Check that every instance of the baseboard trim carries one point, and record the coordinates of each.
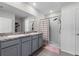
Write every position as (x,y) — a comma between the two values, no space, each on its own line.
(68,52)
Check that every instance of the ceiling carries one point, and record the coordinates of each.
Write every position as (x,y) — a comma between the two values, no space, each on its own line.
(18,13)
(42,7)
(45,7)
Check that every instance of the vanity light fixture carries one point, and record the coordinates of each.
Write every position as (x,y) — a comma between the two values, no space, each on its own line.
(34,4)
(51,11)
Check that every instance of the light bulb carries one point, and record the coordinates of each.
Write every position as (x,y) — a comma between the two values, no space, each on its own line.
(34,4)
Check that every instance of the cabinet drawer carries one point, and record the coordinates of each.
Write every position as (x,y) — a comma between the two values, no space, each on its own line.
(26,38)
(9,43)
(34,36)
(40,35)
(10,51)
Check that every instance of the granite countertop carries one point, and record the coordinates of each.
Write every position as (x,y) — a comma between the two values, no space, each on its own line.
(4,38)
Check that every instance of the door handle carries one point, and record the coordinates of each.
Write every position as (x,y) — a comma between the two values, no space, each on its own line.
(78,34)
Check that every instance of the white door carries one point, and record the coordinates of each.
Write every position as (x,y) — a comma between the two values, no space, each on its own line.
(77,32)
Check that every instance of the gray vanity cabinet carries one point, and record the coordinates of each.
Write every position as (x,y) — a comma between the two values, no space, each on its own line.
(40,40)
(34,43)
(10,51)
(10,48)
(21,46)
(26,46)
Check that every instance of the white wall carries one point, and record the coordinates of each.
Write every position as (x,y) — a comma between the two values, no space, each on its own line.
(6,22)
(58,13)
(29,21)
(68,28)
(28,24)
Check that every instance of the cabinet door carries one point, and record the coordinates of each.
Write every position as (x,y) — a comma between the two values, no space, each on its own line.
(34,44)
(40,42)
(24,39)
(26,48)
(10,51)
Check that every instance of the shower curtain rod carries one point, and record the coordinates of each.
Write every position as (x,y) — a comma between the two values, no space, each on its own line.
(49,17)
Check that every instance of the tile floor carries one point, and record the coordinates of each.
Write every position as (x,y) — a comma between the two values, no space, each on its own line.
(47,51)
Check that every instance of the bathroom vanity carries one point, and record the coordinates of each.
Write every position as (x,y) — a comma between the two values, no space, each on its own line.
(21,44)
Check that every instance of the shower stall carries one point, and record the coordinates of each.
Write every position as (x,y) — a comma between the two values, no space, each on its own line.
(54,31)
(50,27)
